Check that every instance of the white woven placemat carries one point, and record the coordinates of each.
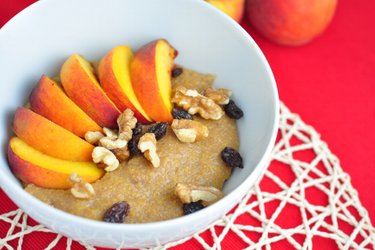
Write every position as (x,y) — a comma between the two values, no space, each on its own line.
(321,171)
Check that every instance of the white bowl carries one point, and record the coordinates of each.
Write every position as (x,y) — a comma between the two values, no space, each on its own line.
(42,36)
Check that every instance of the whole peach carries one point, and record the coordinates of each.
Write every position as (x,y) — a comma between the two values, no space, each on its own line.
(290,22)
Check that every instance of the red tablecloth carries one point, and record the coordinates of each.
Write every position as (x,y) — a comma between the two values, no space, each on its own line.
(328,82)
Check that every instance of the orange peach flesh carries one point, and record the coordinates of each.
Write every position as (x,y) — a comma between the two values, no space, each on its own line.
(151,78)
(49,100)
(50,138)
(115,79)
(80,84)
(32,166)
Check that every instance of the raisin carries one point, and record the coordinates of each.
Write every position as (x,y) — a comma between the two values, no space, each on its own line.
(117,213)
(231,157)
(192,207)
(138,129)
(159,129)
(133,145)
(232,110)
(176,72)
(181,114)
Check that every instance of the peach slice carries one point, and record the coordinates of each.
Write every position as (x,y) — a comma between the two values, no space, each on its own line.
(50,138)
(32,166)
(114,76)
(80,84)
(49,100)
(151,78)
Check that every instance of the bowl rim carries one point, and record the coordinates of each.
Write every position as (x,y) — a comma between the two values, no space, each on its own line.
(259,168)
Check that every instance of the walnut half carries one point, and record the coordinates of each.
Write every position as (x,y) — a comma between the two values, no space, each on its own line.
(191,193)
(189,130)
(193,102)
(105,156)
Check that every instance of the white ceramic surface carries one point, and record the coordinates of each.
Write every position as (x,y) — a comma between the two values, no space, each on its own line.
(41,37)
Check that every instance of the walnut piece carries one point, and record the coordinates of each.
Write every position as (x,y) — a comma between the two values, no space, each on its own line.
(112,144)
(93,137)
(189,130)
(147,145)
(121,153)
(126,122)
(118,140)
(193,102)
(219,96)
(110,133)
(105,156)
(80,189)
(191,193)
(113,140)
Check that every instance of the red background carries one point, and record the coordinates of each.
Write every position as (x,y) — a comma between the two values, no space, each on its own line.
(328,82)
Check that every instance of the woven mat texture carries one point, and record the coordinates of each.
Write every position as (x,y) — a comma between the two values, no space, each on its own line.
(303,200)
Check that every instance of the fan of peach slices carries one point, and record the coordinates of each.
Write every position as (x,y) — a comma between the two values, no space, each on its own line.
(49,144)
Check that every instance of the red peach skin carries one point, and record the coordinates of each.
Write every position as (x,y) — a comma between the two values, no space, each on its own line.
(151,78)
(50,138)
(114,76)
(80,84)
(32,166)
(49,100)
(290,22)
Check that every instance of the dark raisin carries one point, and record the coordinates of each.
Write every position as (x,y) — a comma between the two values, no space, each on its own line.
(117,213)
(138,129)
(233,111)
(176,72)
(181,114)
(133,145)
(159,129)
(192,207)
(231,157)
